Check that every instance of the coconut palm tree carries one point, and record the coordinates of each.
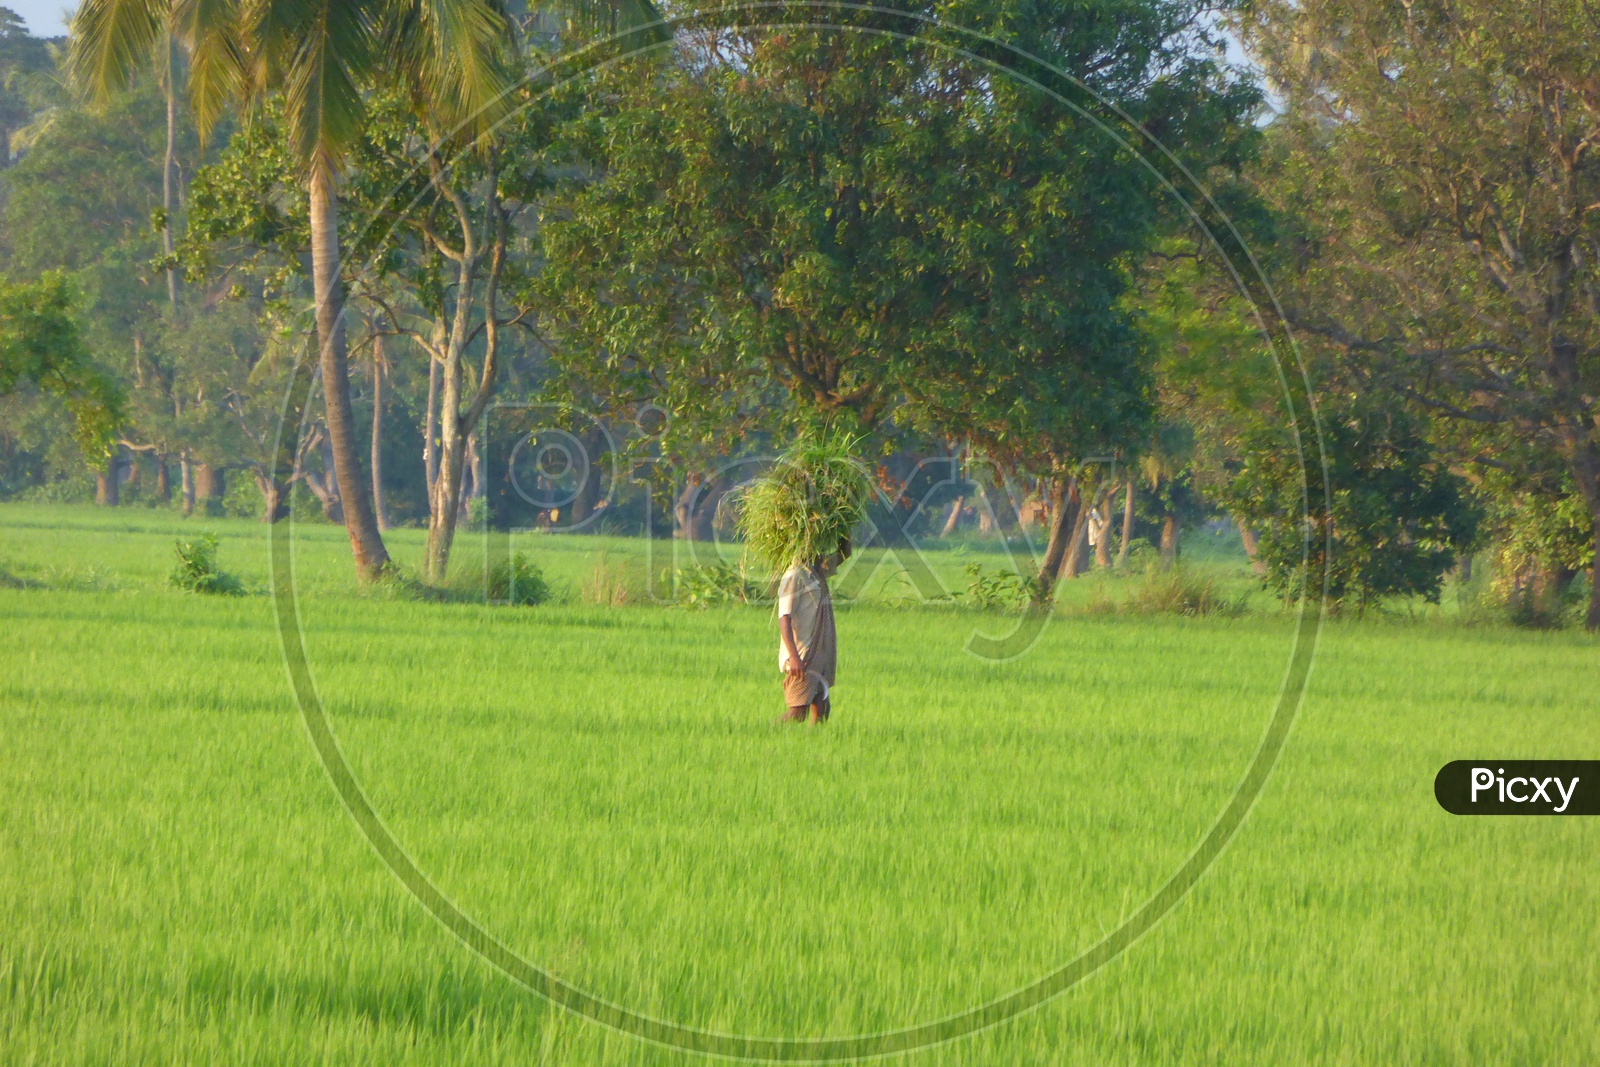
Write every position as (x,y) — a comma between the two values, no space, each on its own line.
(321,57)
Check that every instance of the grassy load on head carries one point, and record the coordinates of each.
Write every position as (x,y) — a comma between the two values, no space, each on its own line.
(803,509)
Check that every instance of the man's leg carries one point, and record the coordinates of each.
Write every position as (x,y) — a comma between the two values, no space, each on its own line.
(821,704)
(797,696)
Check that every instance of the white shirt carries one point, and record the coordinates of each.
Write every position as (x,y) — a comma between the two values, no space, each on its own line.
(800,597)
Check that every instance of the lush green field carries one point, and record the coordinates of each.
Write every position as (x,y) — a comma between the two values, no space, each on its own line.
(604,789)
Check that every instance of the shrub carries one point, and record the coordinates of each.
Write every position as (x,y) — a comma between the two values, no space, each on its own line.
(1395,514)
(197,571)
(806,506)
(717,583)
(518,581)
(1002,591)
(241,501)
(1179,591)
(75,489)
(608,585)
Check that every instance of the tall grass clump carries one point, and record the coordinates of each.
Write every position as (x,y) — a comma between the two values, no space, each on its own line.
(197,572)
(1180,591)
(803,509)
(609,584)
(518,580)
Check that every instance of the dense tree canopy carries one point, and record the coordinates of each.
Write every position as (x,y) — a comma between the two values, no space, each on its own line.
(877,230)
(1439,162)
(766,224)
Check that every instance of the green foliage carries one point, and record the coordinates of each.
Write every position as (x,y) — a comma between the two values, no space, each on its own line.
(196,570)
(802,510)
(1444,241)
(1398,516)
(1541,538)
(1179,591)
(862,225)
(241,501)
(712,584)
(40,344)
(1546,526)
(517,580)
(999,591)
(73,490)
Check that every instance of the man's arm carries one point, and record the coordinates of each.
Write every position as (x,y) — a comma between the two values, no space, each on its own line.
(786,631)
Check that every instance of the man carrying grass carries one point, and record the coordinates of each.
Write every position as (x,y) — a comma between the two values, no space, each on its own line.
(808,645)
(797,520)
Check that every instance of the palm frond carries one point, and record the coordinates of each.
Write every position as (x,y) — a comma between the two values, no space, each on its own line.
(590,19)
(111,40)
(326,56)
(453,57)
(210,32)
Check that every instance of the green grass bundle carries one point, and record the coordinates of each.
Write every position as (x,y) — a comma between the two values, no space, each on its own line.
(197,571)
(518,581)
(805,507)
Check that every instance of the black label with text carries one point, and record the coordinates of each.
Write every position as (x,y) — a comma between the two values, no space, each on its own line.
(1519,787)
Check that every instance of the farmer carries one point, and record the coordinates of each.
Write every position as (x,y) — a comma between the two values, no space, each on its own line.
(808,645)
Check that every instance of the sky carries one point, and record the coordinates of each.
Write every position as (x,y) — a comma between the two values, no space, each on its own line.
(45,18)
(48,18)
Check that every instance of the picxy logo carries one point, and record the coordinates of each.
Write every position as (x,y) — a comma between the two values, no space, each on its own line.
(1519,787)
(1483,778)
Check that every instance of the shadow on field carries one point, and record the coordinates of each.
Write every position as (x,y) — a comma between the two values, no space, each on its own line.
(446,1005)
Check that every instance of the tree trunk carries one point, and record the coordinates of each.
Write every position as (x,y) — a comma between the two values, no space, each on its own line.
(168,177)
(1550,584)
(953,521)
(274,498)
(1169,541)
(444,508)
(430,450)
(1127,525)
(1592,618)
(458,417)
(163,480)
(108,482)
(589,492)
(472,474)
(1078,554)
(683,509)
(377,433)
(1585,465)
(327,493)
(210,486)
(186,476)
(1062,496)
(1102,546)
(1252,546)
(366,541)
(705,509)
(1464,568)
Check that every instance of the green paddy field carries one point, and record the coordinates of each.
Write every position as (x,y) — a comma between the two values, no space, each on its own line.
(603,788)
